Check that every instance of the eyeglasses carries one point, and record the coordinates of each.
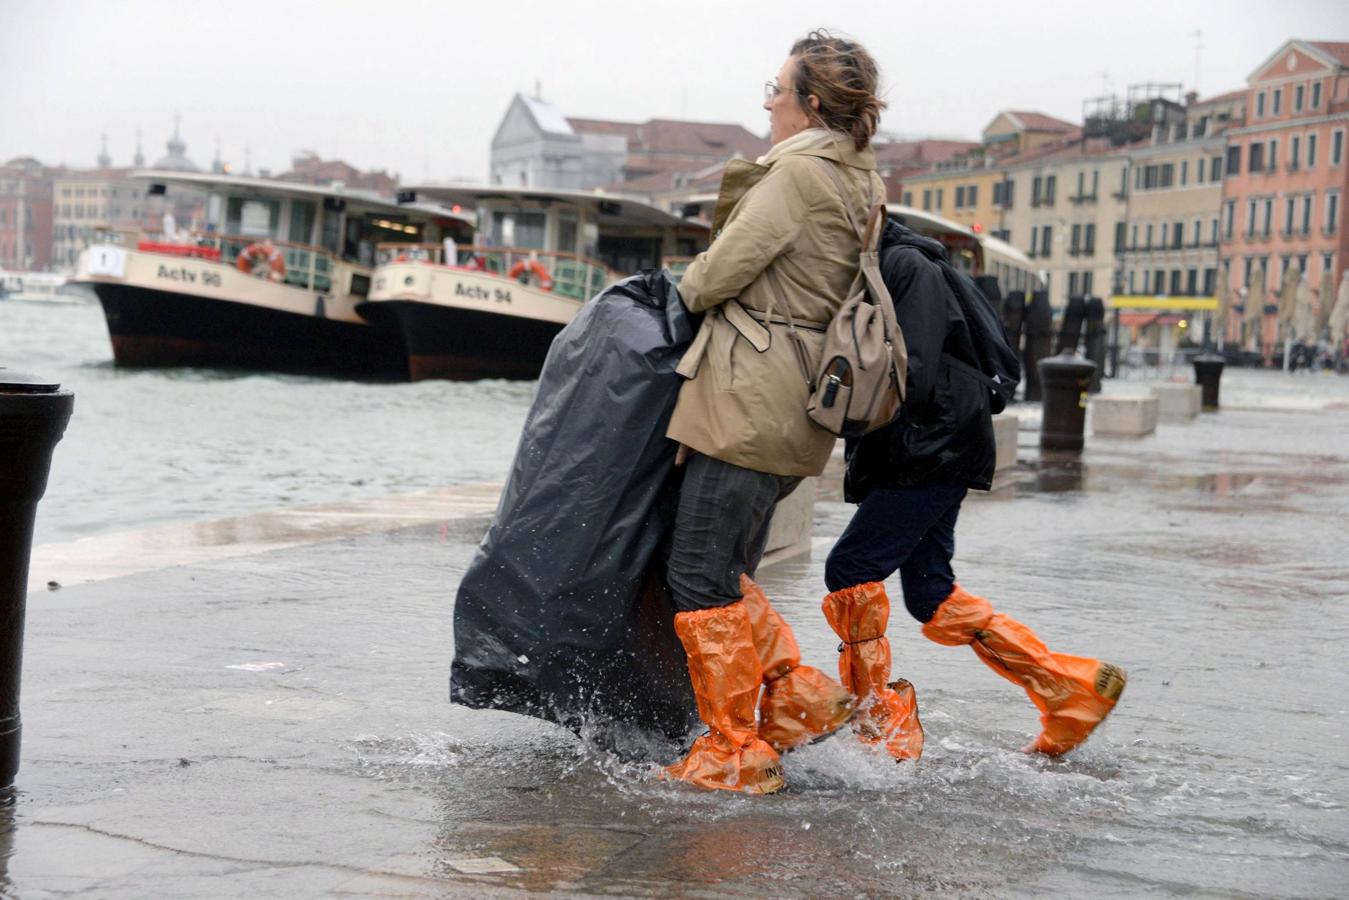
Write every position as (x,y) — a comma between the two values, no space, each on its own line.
(771,89)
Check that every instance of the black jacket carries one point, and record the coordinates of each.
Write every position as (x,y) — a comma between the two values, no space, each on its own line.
(944,433)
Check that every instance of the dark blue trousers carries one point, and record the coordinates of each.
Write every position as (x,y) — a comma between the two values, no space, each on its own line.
(909,529)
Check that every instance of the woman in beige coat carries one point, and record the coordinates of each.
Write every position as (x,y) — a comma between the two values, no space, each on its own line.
(783,256)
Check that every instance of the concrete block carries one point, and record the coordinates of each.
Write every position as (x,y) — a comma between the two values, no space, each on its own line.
(789,531)
(1124,416)
(1005,427)
(1178,402)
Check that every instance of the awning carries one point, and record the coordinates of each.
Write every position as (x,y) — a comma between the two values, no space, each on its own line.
(1162,302)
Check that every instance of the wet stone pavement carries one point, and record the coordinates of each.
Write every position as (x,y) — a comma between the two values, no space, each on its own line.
(276,724)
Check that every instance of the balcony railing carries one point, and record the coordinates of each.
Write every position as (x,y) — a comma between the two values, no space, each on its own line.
(577,277)
(1079,199)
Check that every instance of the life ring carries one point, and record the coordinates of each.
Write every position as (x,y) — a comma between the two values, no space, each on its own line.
(259,258)
(535,268)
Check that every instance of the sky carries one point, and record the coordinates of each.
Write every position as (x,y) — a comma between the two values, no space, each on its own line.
(418,87)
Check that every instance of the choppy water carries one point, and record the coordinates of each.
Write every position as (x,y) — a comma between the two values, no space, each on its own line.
(153,446)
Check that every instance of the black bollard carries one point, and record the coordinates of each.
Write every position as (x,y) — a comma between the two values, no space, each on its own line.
(1064,412)
(1095,340)
(1013,317)
(1208,371)
(33,416)
(1070,329)
(988,286)
(1039,336)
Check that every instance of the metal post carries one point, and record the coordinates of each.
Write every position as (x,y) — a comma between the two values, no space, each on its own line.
(33,416)
(1065,379)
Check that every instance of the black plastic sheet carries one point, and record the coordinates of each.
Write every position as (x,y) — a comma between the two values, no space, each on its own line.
(563,613)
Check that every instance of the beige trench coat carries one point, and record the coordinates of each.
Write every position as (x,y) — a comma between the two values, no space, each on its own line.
(777,226)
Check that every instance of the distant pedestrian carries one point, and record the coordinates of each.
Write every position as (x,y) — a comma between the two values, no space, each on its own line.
(910,479)
(784,251)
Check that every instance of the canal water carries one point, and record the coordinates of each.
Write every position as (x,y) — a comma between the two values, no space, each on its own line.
(153,446)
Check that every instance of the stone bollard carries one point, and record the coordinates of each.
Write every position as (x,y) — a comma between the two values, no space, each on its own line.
(33,416)
(1039,336)
(1064,412)
(1208,371)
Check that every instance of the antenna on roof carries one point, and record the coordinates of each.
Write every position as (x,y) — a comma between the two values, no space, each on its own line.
(1198,36)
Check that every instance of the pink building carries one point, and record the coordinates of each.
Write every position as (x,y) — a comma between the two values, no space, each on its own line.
(1285,186)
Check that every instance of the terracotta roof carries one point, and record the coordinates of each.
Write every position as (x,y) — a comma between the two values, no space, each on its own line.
(1338,49)
(1036,121)
(669,136)
(1238,94)
(919,152)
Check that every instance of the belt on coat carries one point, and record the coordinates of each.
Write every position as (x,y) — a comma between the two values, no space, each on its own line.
(750,323)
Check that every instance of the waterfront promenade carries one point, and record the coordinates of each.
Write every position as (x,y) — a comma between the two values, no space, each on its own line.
(269,717)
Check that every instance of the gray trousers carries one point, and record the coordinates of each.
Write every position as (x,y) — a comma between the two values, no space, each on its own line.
(720,530)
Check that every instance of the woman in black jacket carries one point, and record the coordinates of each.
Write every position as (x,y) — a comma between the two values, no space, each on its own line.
(909,479)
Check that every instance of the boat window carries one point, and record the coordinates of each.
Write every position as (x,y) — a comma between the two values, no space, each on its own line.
(301,221)
(567,230)
(252,218)
(518,228)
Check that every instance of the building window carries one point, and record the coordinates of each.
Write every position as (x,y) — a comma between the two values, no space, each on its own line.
(1050,182)
(1276,104)
(1159,282)
(1311,150)
(1229,215)
(1210,276)
(1233,161)
(1307,201)
(927,200)
(1191,282)
(1089,239)
(1133,237)
(1250,218)
(960,196)
(1034,239)
(1290,209)
(1198,226)
(1132,273)
(1036,189)
(1046,240)
(1248,266)
(1259,104)
(1255,161)
(1199,176)
(1327,262)
(1337,147)
(1294,152)
(1147,240)
(1184,173)
(907,199)
(1073,284)
(1120,230)
(1269,215)
(972,195)
(1316,94)
(1298,93)
(1273,155)
(1332,212)
(1213,232)
(1175,282)
(940,193)
(1215,169)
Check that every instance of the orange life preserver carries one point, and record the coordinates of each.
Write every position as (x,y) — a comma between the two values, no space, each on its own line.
(534,267)
(255,256)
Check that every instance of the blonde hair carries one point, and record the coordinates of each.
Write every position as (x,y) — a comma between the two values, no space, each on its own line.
(844,77)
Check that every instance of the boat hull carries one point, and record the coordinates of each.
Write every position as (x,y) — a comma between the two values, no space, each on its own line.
(156,328)
(458,344)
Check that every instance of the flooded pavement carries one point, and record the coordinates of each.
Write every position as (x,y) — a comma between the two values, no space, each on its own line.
(276,723)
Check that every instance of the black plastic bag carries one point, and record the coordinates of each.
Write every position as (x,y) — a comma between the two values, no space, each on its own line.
(563,613)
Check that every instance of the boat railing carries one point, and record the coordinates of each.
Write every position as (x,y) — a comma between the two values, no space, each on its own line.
(676,265)
(571,275)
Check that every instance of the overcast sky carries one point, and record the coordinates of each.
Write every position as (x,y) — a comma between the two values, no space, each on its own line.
(418,87)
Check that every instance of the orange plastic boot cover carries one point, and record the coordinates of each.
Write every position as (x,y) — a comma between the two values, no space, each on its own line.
(725,671)
(859,616)
(958,618)
(1073,694)
(800,703)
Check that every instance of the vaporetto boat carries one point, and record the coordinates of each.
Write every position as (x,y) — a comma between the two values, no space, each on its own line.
(491,309)
(270,281)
